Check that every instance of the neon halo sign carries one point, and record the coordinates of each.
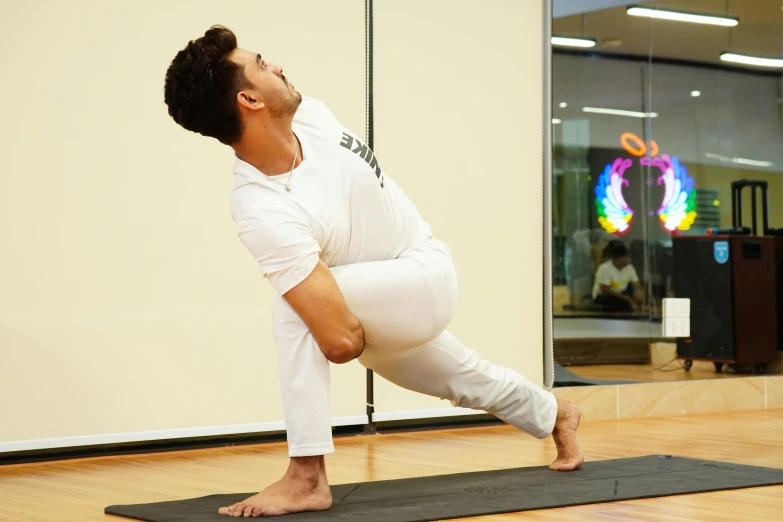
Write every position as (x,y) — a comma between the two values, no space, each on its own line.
(678,208)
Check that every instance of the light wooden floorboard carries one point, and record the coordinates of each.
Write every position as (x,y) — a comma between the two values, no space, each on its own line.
(648,373)
(78,490)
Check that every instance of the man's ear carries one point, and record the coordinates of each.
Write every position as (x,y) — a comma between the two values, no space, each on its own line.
(250,100)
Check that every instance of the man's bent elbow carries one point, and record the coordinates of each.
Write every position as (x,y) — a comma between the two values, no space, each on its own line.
(347,347)
(343,351)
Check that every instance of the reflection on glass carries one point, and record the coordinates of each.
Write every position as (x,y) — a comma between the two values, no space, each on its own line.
(650,128)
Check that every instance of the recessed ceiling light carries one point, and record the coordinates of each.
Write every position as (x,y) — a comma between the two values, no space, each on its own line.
(556,121)
(775,63)
(680,16)
(618,112)
(740,161)
(563,105)
(695,94)
(572,42)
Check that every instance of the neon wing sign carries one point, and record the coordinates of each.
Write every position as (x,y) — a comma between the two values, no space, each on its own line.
(614,214)
(678,208)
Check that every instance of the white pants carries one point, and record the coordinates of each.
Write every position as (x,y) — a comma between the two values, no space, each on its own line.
(404,306)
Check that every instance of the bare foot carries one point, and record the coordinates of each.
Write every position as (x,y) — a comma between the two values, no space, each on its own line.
(293,493)
(569,454)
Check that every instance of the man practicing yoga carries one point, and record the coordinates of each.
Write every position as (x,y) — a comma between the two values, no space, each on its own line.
(357,271)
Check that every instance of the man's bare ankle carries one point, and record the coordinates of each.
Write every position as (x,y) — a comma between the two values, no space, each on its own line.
(564,410)
(306,469)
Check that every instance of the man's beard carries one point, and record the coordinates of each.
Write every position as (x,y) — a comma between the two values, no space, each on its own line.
(285,104)
(283,107)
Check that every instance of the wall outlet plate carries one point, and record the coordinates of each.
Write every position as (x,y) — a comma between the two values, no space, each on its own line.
(674,327)
(676,308)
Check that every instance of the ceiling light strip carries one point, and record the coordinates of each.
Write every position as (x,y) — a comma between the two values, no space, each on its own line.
(679,16)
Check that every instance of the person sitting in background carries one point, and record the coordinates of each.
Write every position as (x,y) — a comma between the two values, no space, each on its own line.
(586,247)
(616,287)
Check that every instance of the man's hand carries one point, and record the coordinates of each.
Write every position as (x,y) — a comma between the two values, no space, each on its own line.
(638,293)
(607,290)
(322,307)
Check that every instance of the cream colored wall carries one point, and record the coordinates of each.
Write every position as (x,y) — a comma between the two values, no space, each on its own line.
(458,124)
(720,179)
(127,303)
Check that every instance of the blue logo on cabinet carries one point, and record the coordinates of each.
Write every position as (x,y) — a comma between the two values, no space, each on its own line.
(721,251)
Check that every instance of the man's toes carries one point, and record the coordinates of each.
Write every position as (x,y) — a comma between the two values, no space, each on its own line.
(258,512)
(230,510)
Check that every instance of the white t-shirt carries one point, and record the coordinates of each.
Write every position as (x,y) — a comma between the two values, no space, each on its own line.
(617,280)
(342,207)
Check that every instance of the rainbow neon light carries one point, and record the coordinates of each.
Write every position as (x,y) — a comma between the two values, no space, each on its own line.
(678,209)
(614,214)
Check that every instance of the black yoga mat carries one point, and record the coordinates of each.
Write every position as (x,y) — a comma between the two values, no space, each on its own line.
(491,492)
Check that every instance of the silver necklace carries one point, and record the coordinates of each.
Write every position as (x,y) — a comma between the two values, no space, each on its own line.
(291,173)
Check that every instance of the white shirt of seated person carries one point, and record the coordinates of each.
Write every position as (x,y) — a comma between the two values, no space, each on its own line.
(616,279)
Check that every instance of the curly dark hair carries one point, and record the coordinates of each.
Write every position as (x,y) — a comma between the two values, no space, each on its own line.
(202,84)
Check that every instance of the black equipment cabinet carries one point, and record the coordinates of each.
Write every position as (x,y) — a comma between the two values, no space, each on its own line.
(734,282)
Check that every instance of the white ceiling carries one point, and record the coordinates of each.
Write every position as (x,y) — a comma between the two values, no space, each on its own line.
(562,8)
(760,30)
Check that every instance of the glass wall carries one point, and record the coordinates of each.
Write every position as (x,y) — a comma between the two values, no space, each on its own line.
(652,124)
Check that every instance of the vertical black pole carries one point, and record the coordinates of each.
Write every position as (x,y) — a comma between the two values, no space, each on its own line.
(734,222)
(764,207)
(753,208)
(370,427)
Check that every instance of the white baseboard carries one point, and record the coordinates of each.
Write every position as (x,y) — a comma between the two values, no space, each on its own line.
(424,414)
(217,431)
(149,436)
(359,420)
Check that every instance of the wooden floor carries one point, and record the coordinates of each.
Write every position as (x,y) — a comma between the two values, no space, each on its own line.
(649,373)
(78,490)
